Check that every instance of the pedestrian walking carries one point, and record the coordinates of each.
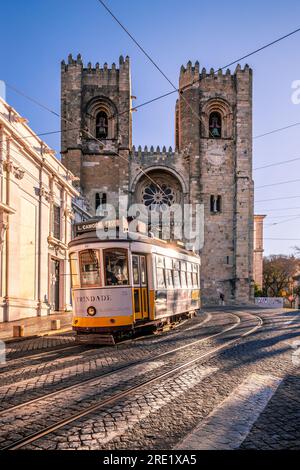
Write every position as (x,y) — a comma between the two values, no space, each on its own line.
(222,299)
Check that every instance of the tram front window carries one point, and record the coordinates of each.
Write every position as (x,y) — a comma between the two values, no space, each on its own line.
(116,267)
(89,267)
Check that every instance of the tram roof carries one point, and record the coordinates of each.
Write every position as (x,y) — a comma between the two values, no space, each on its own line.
(90,236)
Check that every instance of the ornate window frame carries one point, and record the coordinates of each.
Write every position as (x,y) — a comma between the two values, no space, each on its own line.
(163,178)
(221,106)
(102,104)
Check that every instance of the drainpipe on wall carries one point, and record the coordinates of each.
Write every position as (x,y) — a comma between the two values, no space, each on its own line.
(66,220)
(7,254)
(39,306)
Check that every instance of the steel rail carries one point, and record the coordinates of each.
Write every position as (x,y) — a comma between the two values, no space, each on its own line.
(117,369)
(11,363)
(48,430)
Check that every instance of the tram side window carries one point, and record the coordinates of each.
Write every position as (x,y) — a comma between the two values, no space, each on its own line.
(176,277)
(116,267)
(160,272)
(169,278)
(143,271)
(195,275)
(189,275)
(89,268)
(135,270)
(183,275)
(176,274)
(74,270)
(160,276)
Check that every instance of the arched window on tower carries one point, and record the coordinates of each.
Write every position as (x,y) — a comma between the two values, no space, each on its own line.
(215,204)
(215,125)
(101,125)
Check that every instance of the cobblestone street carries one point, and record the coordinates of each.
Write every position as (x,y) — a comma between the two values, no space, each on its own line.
(227,379)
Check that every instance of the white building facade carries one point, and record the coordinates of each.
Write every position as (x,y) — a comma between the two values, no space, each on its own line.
(36,217)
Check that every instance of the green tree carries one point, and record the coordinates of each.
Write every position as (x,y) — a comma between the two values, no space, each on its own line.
(257,291)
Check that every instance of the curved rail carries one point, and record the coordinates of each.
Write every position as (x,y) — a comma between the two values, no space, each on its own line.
(90,409)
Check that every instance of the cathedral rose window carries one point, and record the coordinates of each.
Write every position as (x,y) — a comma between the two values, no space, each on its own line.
(157,197)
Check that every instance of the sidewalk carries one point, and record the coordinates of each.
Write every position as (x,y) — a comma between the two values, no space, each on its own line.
(36,326)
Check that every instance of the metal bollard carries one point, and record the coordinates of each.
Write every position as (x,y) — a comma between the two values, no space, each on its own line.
(18,331)
(55,324)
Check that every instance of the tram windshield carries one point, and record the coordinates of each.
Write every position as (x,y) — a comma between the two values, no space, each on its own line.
(89,268)
(116,267)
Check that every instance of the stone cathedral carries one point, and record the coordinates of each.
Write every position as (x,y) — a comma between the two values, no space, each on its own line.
(211,162)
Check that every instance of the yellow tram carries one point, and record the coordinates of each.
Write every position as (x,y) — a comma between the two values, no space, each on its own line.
(122,285)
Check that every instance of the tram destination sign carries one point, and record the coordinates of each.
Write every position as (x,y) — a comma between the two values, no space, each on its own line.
(98,224)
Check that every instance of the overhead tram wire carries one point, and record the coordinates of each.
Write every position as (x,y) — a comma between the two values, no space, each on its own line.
(86,131)
(41,134)
(180,91)
(101,142)
(176,90)
(282,209)
(277,130)
(277,184)
(282,221)
(277,199)
(230,212)
(283,162)
(35,101)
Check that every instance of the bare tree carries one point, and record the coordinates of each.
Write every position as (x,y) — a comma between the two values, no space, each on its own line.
(278,273)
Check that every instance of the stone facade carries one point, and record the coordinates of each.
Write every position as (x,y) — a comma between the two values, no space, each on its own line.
(36,216)
(211,163)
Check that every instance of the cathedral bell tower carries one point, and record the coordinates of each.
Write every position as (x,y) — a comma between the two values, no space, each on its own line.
(214,126)
(96,127)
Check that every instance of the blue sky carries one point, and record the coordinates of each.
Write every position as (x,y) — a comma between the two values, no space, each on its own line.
(35,36)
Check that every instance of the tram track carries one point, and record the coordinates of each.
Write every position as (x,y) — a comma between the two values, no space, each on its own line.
(12,367)
(119,395)
(117,369)
(12,363)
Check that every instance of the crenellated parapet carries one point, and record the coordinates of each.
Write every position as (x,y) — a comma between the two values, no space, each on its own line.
(153,154)
(78,62)
(191,74)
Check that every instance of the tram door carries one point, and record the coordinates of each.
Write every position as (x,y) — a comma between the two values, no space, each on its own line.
(140,289)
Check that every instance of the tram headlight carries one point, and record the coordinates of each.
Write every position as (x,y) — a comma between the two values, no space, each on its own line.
(91,311)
